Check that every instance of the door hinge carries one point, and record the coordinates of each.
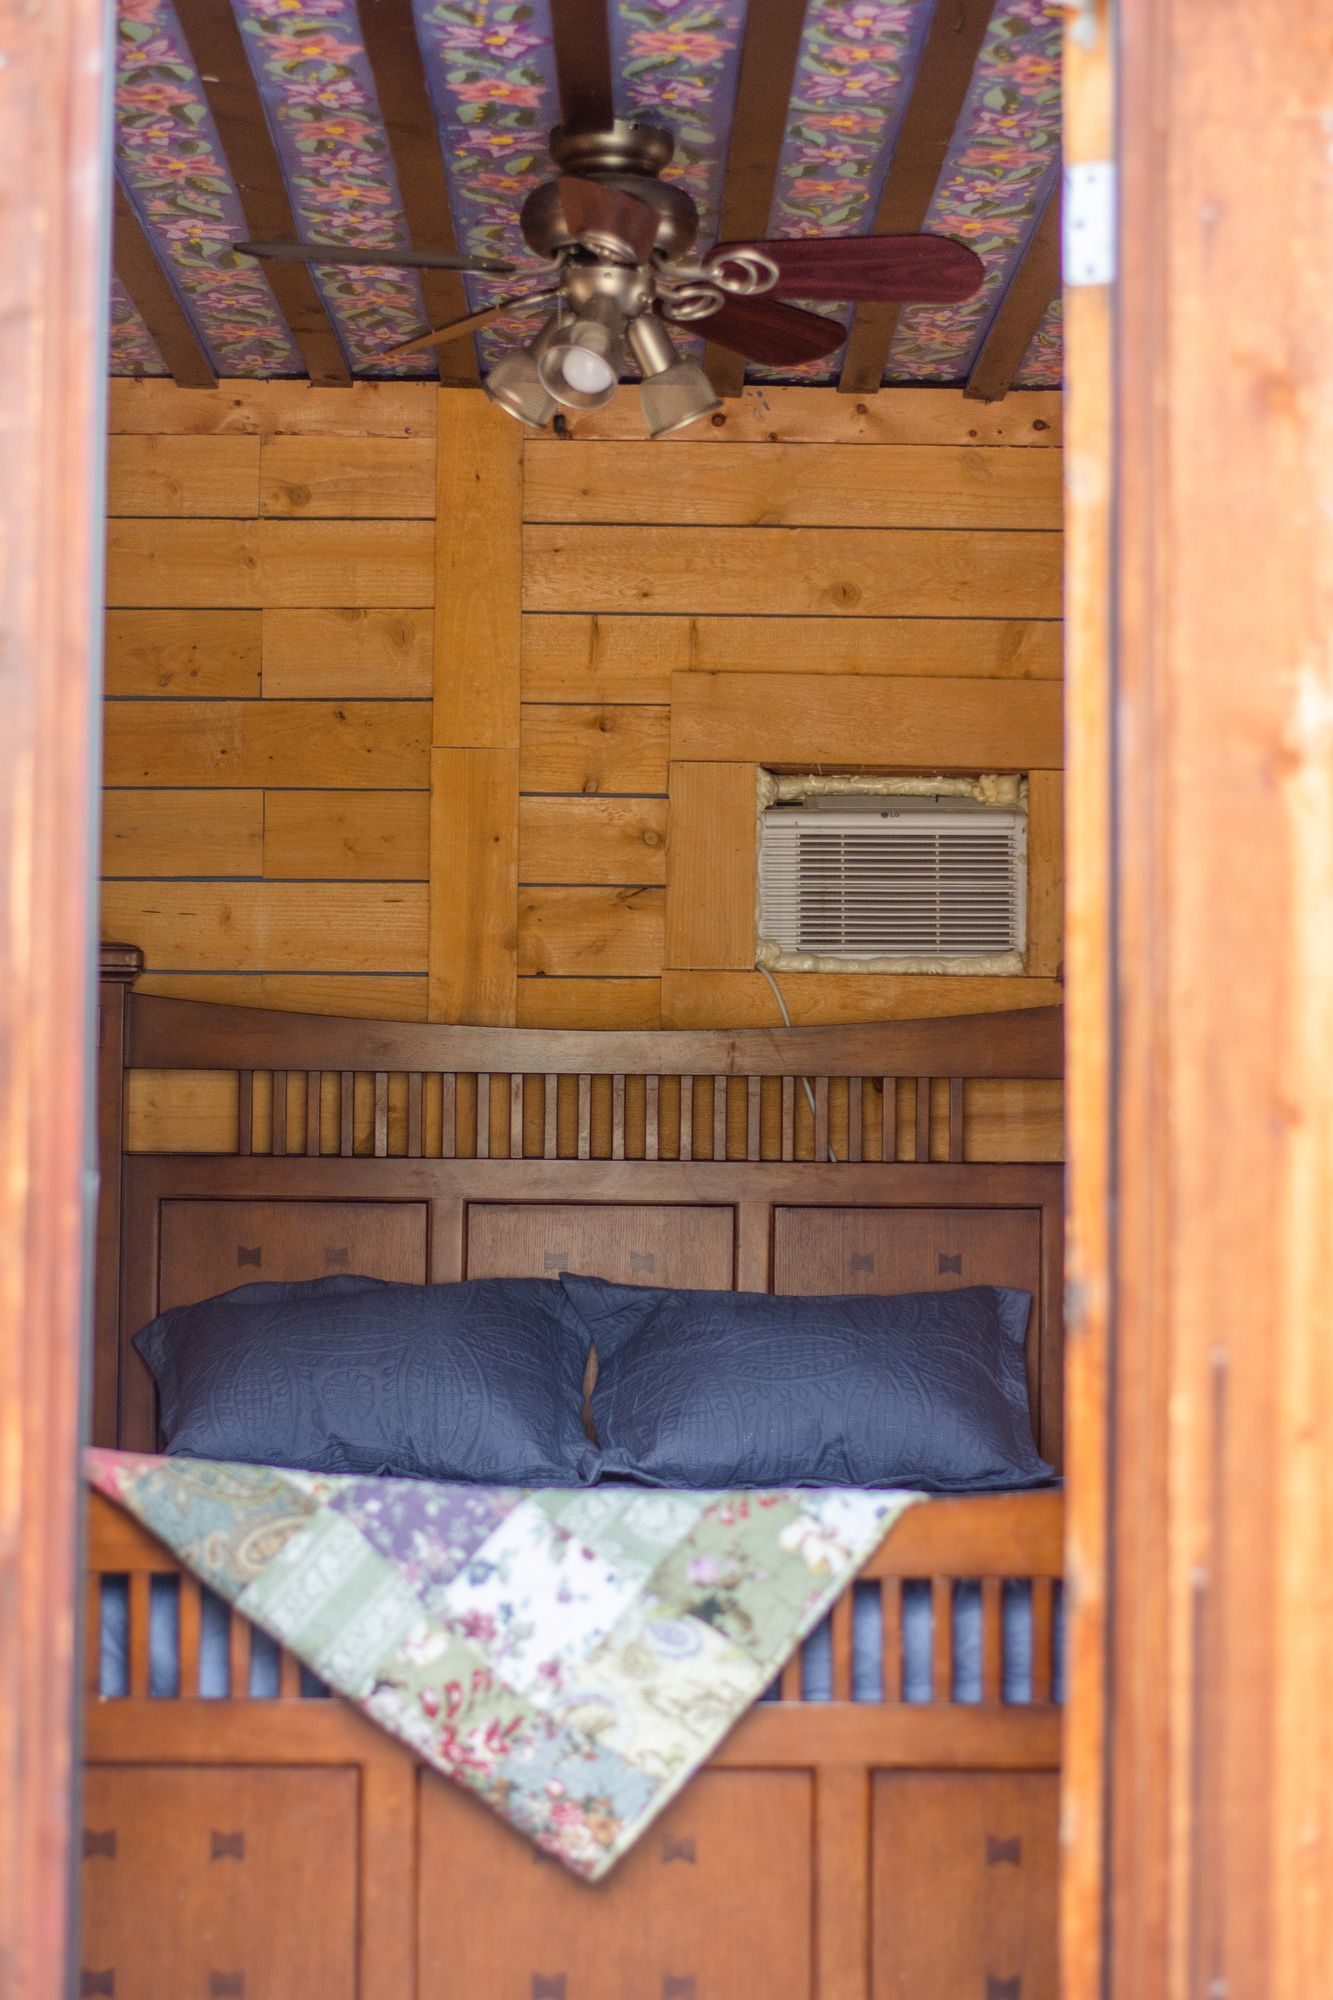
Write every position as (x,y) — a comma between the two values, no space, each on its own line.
(1089,223)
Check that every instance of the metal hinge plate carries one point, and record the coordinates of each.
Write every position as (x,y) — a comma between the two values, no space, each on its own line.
(1089,223)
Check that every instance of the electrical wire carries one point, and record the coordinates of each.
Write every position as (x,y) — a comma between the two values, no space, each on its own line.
(786,1022)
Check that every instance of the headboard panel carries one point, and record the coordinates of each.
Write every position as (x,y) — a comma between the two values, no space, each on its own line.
(792,1160)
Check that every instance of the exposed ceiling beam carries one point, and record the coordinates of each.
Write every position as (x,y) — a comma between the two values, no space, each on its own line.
(389,33)
(159,308)
(583,64)
(938,96)
(218,51)
(1022,309)
(769,54)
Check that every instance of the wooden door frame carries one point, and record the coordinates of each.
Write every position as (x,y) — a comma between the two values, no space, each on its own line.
(1199,455)
(54,188)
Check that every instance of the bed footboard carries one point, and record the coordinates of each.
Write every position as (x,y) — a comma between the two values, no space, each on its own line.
(884,1827)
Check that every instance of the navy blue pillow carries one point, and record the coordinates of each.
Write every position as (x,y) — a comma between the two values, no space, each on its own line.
(740,1389)
(480,1381)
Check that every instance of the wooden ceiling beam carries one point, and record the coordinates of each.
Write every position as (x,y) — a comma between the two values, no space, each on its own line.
(161,311)
(582,37)
(769,55)
(939,95)
(218,51)
(388,30)
(1021,311)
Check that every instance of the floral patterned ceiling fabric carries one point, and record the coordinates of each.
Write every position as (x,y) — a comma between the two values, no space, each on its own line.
(490,71)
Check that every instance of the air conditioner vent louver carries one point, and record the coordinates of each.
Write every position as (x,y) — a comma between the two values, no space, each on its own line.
(906,884)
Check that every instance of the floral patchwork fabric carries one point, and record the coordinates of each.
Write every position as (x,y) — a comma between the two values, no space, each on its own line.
(570,1657)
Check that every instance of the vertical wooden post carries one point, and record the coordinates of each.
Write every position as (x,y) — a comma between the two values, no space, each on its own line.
(473,957)
(1201,960)
(120,966)
(54,166)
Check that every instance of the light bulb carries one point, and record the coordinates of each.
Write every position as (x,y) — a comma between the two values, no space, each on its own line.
(589,373)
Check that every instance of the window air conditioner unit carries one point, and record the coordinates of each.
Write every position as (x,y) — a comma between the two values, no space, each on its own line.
(889,880)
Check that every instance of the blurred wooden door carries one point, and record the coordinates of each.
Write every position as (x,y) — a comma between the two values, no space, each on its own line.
(1199,1811)
(54,180)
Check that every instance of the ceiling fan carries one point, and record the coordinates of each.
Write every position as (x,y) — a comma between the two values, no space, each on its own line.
(620,243)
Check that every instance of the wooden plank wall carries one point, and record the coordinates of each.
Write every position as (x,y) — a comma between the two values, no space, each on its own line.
(412,712)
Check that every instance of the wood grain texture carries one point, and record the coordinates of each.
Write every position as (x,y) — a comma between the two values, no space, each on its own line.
(585,931)
(383,996)
(55,154)
(372,744)
(384,654)
(858,722)
(278,926)
(745,999)
(304,478)
(160,832)
(474,885)
(237,563)
(765,414)
(366,409)
(589,1003)
(1046,877)
(710,908)
(893,486)
(867,572)
(182,476)
(199,653)
(571,748)
(346,836)
(581,657)
(592,840)
(477,571)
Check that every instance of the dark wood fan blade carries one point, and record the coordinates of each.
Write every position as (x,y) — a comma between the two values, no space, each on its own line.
(766,330)
(607,216)
(929,270)
(440,336)
(343,253)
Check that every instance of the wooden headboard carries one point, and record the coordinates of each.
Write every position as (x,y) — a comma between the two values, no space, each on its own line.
(799,1160)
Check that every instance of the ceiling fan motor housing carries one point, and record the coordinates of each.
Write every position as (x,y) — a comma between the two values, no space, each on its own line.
(624,156)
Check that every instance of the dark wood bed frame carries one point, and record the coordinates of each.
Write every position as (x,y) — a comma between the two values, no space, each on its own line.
(274,1849)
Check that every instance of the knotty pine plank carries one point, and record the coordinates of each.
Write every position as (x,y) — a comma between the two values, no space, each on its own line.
(348,653)
(346,836)
(589,1003)
(271,926)
(592,840)
(367,996)
(304,478)
(782,485)
(868,572)
(365,409)
(582,657)
(371,744)
(214,477)
(605,748)
(745,999)
(1046,874)
(154,832)
(239,563)
(710,909)
(795,415)
(182,653)
(857,721)
(479,499)
(582,932)
(473,884)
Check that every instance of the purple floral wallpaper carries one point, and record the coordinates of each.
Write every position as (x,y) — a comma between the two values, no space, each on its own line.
(490,70)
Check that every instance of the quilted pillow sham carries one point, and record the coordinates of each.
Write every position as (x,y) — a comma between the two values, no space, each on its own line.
(739,1389)
(479,1381)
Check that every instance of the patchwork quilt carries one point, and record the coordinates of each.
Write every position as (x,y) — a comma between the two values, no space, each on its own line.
(570,1657)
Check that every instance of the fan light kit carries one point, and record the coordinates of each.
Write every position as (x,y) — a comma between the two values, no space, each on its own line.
(619,243)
